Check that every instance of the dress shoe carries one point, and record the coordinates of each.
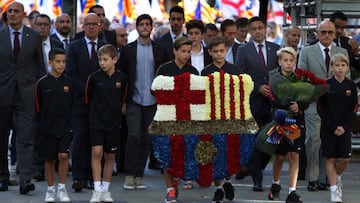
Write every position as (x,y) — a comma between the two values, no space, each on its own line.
(39,177)
(322,186)
(88,184)
(3,186)
(243,173)
(77,186)
(312,186)
(26,187)
(258,188)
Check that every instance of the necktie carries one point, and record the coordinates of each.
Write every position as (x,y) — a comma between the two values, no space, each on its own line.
(327,58)
(261,56)
(66,41)
(93,53)
(16,45)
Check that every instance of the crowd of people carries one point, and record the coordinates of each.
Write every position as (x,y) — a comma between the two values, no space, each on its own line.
(87,98)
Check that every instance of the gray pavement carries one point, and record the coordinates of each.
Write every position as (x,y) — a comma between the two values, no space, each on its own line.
(155,192)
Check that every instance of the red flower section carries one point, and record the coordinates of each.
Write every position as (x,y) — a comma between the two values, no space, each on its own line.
(307,76)
(205,171)
(233,153)
(242,109)
(177,159)
(212,97)
(232,101)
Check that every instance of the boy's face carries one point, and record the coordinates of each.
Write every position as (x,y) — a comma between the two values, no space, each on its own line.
(183,53)
(287,63)
(195,35)
(58,64)
(339,68)
(107,64)
(218,53)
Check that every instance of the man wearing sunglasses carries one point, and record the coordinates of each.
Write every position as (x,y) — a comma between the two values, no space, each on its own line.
(315,58)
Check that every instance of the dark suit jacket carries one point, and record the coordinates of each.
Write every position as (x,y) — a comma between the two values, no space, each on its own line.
(354,62)
(248,61)
(54,36)
(108,37)
(127,62)
(21,75)
(167,42)
(54,43)
(79,67)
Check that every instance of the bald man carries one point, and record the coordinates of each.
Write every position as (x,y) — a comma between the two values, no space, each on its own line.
(63,26)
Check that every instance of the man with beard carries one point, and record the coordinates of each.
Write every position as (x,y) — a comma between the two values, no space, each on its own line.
(140,61)
(63,29)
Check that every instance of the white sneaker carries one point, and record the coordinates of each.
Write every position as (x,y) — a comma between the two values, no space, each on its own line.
(106,197)
(96,196)
(50,196)
(340,187)
(62,195)
(139,183)
(335,196)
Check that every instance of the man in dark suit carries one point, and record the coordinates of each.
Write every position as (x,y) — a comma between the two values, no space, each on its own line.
(257,58)
(21,66)
(108,37)
(81,61)
(140,61)
(176,20)
(229,30)
(352,46)
(63,30)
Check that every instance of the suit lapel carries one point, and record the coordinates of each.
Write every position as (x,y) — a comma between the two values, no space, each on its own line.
(7,39)
(319,57)
(25,41)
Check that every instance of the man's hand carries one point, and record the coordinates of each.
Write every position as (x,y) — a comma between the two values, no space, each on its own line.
(354,46)
(264,90)
(339,131)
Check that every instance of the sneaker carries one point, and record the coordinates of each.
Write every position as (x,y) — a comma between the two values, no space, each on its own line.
(50,196)
(293,198)
(218,196)
(106,197)
(62,195)
(229,191)
(335,196)
(96,196)
(129,183)
(340,187)
(139,183)
(171,196)
(274,193)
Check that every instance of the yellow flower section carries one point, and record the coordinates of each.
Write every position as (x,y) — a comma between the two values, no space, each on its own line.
(217,95)
(227,96)
(237,96)
(248,87)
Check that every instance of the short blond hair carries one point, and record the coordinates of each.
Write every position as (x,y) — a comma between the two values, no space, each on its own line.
(288,50)
(339,58)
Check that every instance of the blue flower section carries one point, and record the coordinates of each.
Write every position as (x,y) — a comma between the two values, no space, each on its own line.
(220,162)
(247,144)
(161,147)
(191,165)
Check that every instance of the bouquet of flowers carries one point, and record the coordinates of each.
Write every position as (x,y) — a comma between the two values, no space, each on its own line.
(303,86)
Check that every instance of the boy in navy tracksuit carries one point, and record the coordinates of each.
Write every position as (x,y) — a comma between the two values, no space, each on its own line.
(53,99)
(337,109)
(105,93)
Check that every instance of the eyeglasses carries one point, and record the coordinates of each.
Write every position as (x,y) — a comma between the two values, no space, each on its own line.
(92,24)
(176,19)
(324,32)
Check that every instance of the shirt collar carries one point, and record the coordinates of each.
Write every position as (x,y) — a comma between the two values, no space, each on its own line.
(47,41)
(87,40)
(322,47)
(19,30)
(61,38)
